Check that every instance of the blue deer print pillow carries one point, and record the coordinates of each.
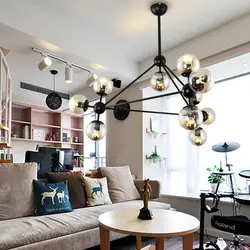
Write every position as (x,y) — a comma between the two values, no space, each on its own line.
(51,198)
(97,191)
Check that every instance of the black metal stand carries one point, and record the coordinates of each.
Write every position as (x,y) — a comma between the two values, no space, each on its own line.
(203,197)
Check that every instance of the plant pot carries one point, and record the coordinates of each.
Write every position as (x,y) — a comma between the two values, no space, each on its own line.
(213,187)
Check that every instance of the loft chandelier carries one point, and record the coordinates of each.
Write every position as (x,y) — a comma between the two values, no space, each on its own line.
(191,118)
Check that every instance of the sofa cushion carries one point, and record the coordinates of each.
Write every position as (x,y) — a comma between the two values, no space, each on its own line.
(120,183)
(97,191)
(16,189)
(28,230)
(51,198)
(77,194)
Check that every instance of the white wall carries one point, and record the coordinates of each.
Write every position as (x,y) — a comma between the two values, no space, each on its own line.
(124,138)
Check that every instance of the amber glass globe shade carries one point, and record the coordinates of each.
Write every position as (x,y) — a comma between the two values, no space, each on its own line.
(160,81)
(201,81)
(190,117)
(209,116)
(76,103)
(198,137)
(187,64)
(103,86)
(96,130)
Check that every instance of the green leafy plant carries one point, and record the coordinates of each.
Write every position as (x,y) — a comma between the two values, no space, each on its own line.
(154,156)
(213,178)
(81,157)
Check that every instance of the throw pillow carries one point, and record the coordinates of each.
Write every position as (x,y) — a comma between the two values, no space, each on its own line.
(51,198)
(77,196)
(120,183)
(16,190)
(97,191)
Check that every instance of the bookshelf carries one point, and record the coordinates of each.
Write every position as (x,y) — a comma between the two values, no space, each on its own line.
(38,124)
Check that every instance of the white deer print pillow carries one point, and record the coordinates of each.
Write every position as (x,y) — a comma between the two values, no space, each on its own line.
(51,198)
(97,191)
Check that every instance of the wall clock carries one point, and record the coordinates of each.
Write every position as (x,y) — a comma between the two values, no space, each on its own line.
(121,110)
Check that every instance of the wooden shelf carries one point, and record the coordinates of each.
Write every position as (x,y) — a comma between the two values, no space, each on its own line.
(20,122)
(4,127)
(5,145)
(31,140)
(74,129)
(73,143)
(45,126)
(5,161)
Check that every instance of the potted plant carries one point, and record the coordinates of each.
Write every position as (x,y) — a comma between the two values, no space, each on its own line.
(154,157)
(213,178)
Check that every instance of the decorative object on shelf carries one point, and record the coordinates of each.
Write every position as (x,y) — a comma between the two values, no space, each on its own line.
(199,81)
(54,100)
(69,139)
(65,137)
(150,129)
(213,178)
(26,132)
(76,139)
(154,157)
(146,191)
(38,134)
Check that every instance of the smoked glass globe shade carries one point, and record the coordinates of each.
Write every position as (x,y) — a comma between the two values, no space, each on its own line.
(209,116)
(76,104)
(198,137)
(190,117)
(160,81)
(201,80)
(96,130)
(187,64)
(103,86)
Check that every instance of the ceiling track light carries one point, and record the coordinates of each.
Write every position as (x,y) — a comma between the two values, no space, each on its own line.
(44,63)
(68,74)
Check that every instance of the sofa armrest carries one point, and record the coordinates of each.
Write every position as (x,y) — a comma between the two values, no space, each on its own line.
(155,185)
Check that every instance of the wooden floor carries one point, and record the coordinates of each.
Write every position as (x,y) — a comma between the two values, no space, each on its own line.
(128,243)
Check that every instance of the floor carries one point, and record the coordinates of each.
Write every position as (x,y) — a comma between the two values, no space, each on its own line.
(128,243)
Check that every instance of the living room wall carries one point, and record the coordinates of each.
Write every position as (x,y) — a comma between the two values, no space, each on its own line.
(124,138)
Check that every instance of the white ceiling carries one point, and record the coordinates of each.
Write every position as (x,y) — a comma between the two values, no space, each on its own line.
(113,36)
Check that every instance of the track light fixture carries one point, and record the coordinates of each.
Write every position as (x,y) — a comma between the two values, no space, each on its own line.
(44,63)
(198,82)
(68,74)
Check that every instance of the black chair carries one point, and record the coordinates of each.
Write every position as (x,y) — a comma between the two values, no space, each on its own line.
(237,225)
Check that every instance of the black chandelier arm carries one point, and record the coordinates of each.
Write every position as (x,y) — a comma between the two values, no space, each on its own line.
(175,84)
(146,99)
(159,35)
(146,111)
(180,81)
(136,79)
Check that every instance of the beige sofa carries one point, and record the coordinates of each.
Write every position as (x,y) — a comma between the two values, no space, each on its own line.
(76,230)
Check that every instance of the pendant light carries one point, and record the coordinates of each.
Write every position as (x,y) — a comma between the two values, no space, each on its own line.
(54,100)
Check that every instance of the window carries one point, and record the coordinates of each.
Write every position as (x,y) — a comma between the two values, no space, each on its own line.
(94,151)
(184,171)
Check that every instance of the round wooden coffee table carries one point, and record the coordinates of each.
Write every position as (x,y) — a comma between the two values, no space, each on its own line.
(165,224)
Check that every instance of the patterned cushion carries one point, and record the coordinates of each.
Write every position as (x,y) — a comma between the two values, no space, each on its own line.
(51,198)
(97,191)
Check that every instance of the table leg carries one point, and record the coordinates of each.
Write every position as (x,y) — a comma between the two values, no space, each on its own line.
(159,243)
(104,238)
(188,241)
(138,243)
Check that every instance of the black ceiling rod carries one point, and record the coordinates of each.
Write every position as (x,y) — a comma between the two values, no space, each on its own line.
(145,111)
(175,85)
(136,79)
(174,75)
(159,35)
(147,98)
